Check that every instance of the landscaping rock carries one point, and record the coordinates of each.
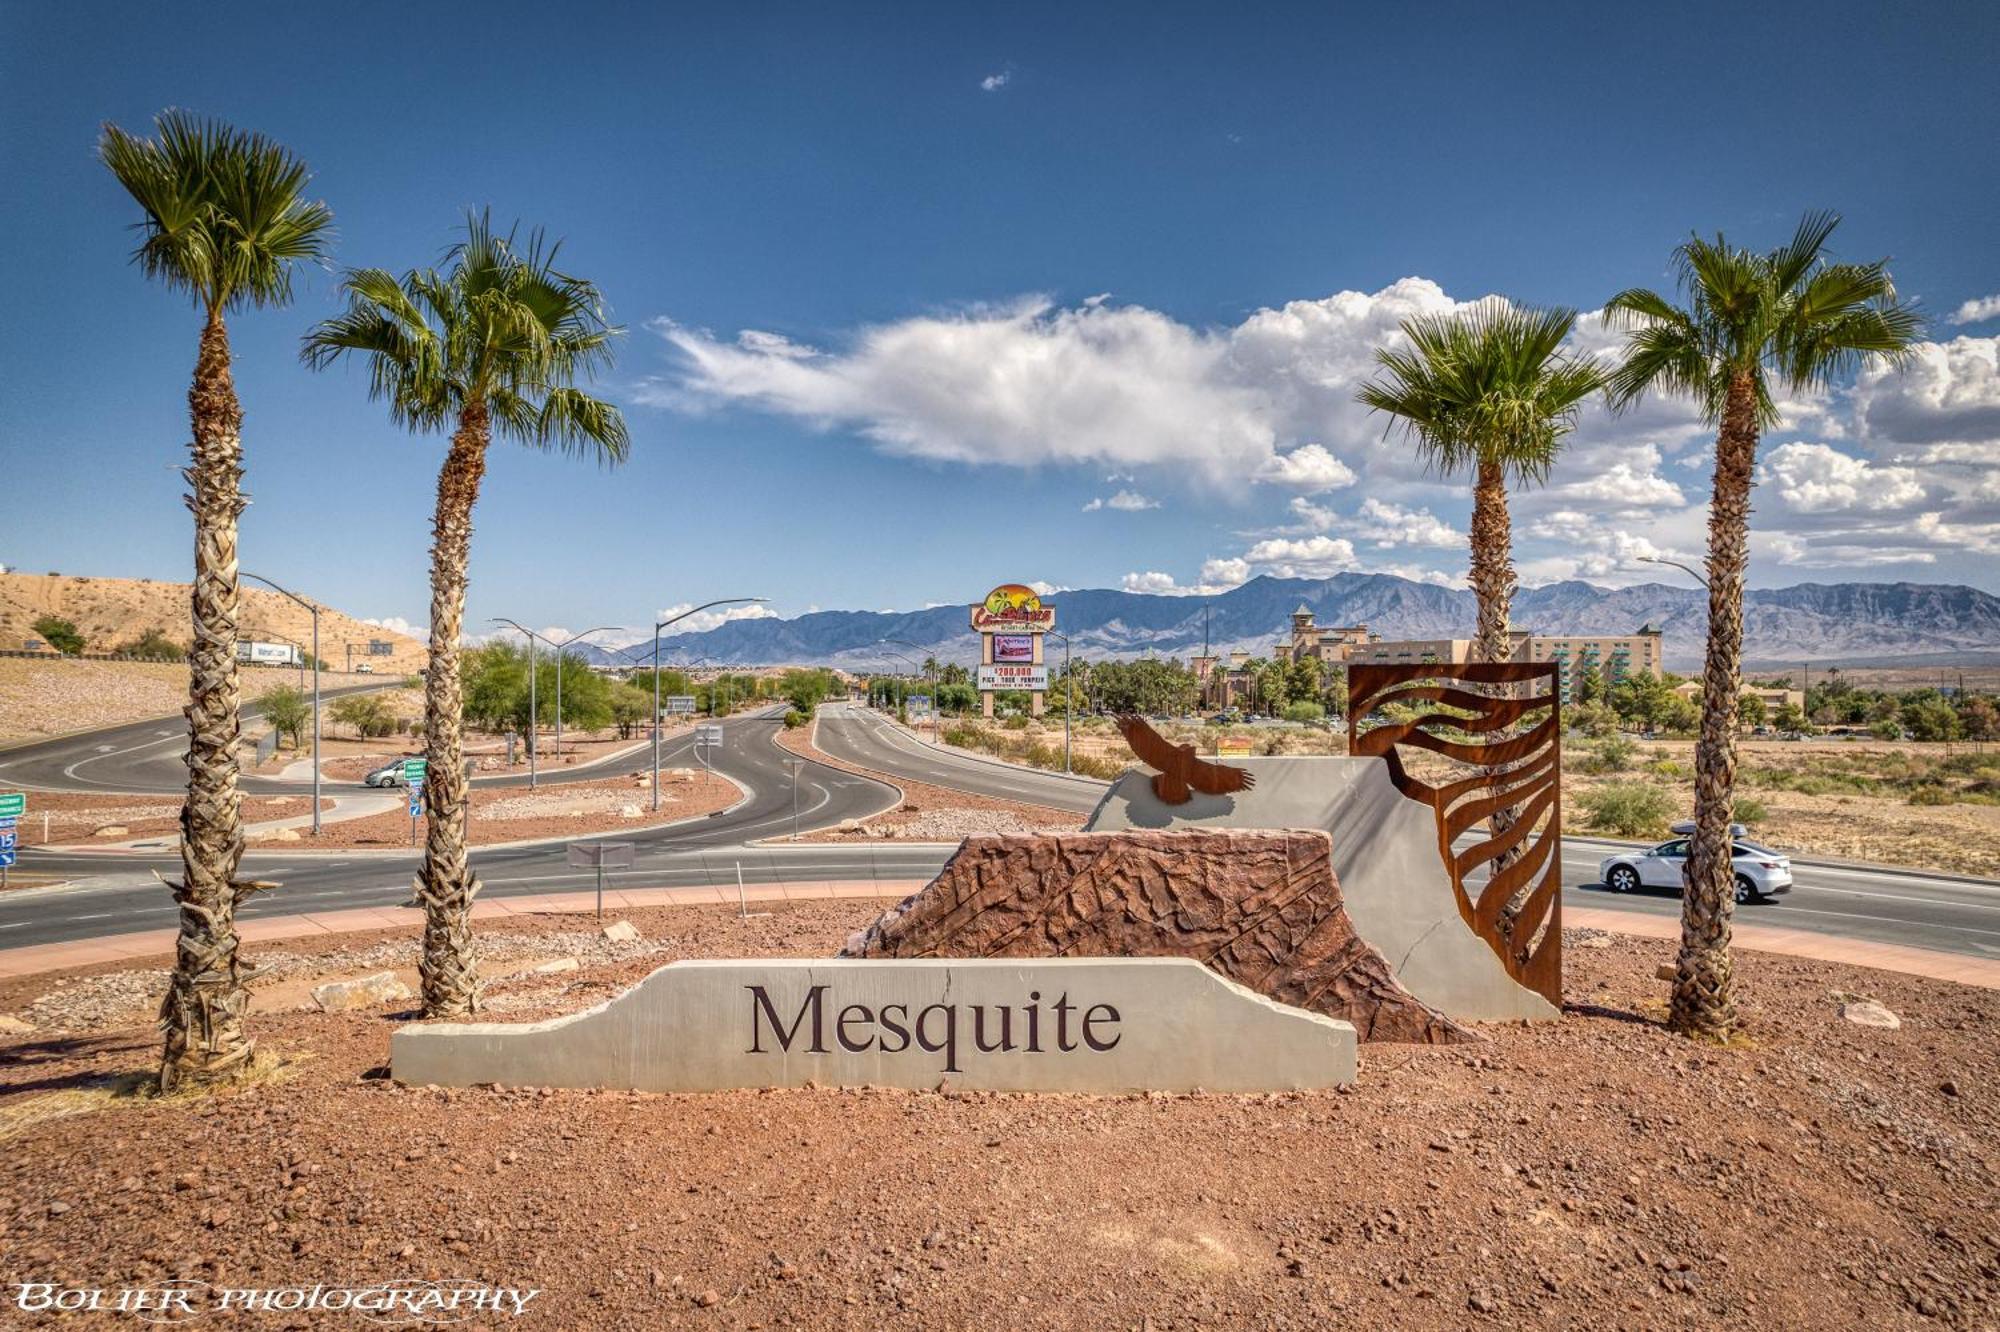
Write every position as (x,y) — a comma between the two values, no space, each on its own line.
(556,967)
(621,931)
(1868,1013)
(13,1026)
(629,811)
(368,991)
(111,830)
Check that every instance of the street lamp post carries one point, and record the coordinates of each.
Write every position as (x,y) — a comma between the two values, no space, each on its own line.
(314,609)
(559,649)
(534,720)
(795,764)
(1655,559)
(726,601)
(1069,697)
(930,677)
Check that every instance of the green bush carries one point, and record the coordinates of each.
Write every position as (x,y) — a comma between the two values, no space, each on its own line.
(1304,712)
(289,711)
(1611,754)
(152,646)
(1932,794)
(794,718)
(1749,811)
(59,634)
(1630,809)
(368,715)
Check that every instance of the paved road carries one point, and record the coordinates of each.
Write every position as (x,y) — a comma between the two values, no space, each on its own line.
(149,758)
(1861,902)
(116,894)
(863,736)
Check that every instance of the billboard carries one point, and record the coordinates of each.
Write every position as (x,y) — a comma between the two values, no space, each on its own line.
(1013,608)
(268,654)
(1013,647)
(1035,679)
(381,647)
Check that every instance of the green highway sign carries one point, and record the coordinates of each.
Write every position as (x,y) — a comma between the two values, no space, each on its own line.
(13,804)
(413,769)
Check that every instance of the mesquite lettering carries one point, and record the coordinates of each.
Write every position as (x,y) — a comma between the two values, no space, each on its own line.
(939,1029)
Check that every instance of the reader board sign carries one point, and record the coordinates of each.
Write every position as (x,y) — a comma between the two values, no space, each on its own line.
(1004,675)
(1013,647)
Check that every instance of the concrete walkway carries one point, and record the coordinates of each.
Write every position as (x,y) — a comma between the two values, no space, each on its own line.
(157,945)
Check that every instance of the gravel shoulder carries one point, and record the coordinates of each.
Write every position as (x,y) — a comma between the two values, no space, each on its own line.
(1594,1172)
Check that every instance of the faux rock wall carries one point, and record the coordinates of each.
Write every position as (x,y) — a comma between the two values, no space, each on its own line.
(1262,908)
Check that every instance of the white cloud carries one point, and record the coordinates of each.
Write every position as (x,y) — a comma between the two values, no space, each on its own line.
(1389,524)
(1117,387)
(1127,501)
(1978,310)
(1046,589)
(1949,392)
(1616,476)
(1217,576)
(396,624)
(1592,548)
(701,621)
(995,82)
(1816,478)
(1303,557)
(1309,468)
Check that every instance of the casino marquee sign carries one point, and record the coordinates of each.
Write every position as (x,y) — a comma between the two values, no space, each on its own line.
(1013,608)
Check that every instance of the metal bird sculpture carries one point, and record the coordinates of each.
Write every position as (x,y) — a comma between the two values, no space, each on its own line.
(1181,774)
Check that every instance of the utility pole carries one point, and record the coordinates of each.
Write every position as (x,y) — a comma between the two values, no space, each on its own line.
(559,649)
(314,609)
(1069,697)
(727,601)
(534,720)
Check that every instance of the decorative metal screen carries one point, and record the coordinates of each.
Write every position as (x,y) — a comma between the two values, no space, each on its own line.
(1501,722)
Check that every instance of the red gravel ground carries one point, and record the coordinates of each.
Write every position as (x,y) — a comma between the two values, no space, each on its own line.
(1592,1173)
(76,816)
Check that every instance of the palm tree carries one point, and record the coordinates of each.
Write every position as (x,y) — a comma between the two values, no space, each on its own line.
(1795,317)
(1491,391)
(496,343)
(1487,390)
(224,220)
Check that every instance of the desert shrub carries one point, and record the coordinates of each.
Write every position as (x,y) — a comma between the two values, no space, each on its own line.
(1749,811)
(1015,723)
(1596,720)
(1931,793)
(59,634)
(794,719)
(1611,754)
(152,646)
(1304,712)
(1630,809)
(1671,769)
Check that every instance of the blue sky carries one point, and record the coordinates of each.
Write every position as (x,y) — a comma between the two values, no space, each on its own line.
(909,288)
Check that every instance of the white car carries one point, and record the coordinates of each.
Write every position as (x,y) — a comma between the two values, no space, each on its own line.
(1760,871)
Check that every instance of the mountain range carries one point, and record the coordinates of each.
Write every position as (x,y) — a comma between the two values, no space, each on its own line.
(1838,622)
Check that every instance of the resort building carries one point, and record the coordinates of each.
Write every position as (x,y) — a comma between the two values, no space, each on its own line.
(1615,656)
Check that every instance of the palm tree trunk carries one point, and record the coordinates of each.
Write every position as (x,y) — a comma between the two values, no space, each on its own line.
(446,884)
(1492,579)
(1492,574)
(1703,1004)
(201,1017)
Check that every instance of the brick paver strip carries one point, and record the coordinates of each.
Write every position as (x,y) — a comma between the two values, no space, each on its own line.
(159,944)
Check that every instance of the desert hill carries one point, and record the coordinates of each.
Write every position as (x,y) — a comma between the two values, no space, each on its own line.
(112,611)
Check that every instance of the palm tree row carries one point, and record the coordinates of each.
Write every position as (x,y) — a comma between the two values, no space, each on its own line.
(1491,391)
(496,342)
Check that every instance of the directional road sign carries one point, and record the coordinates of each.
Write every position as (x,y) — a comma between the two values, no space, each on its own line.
(413,770)
(679,705)
(13,804)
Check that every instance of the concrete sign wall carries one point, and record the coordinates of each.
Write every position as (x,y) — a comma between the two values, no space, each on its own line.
(1074,1025)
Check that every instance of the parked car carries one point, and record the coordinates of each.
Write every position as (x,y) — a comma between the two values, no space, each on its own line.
(363,668)
(389,774)
(1760,871)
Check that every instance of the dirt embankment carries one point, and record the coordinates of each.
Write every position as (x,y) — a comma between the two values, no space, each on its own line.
(42,697)
(1596,1172)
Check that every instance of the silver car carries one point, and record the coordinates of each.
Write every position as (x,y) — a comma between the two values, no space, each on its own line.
(389,774)
(1760,871)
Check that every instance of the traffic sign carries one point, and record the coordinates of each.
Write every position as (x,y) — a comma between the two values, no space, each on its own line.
(413,769)
(13,804)
(7,842)
(679,705)
(710,736)
(7,858)
(416,798)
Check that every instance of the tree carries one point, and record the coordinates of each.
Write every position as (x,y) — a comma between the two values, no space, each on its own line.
(495,344)
(1790,717)
(1979,717)
(1488,391)
(289,711)
(1930,718)
(630,706)
(366,713)
(1750,710)
(60,634)
(1589,687)
(225,220)
(1790,317)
